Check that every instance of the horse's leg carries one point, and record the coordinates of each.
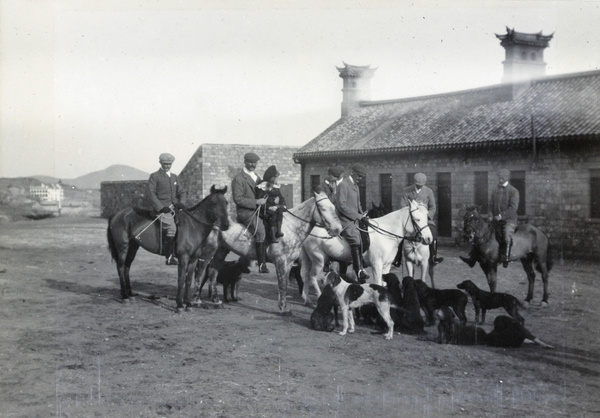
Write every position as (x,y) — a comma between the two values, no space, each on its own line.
(126,291)
(309,271)
(377,272)
(527,263)
(181,278)
(189,277)
(542,264)
(282,282)
(491,273)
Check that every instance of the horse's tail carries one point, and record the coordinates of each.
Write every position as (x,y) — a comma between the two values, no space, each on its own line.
(111,242)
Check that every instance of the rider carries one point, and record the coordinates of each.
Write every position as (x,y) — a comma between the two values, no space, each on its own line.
(424,195)
(165,195)
(350,211)
(504,202)
(243,189)
(272,211)
(330,183)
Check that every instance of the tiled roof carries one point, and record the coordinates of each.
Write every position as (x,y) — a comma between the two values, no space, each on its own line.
(564,106)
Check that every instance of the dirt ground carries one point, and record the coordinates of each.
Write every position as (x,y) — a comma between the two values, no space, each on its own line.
(69,348)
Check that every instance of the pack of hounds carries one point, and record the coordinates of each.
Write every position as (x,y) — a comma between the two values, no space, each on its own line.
(398,306)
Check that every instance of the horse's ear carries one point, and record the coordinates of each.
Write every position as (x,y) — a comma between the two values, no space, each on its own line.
(317,189)
(215,189)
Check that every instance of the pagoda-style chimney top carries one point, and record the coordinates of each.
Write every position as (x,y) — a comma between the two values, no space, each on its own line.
(524,58)
(357,86)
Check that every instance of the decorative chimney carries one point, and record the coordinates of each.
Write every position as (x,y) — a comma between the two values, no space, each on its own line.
(357,86)
(524,55)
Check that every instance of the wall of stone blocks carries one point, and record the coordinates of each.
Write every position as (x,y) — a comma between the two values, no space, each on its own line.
(557,186)
(117,195)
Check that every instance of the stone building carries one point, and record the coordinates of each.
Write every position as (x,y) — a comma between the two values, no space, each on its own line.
(544,129)
(211,164)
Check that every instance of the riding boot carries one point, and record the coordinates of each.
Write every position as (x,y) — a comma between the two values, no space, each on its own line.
(279,234)
(357,264)
(171,260)
(260,248)
(398,260)
(433,249)
(506,255)
(273,235)
(469,260)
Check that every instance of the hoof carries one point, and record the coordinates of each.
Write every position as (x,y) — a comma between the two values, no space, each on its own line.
(179,310)
(196,303)
(545,304)
(308,303)
(388,337)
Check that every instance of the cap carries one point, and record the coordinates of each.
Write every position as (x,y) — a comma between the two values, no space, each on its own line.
(271,172)
(166,158)
(359,169)
(504,173)
(336,170)
(252,157)
(420,179)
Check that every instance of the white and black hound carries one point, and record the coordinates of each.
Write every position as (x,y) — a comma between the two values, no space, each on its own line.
(352,295)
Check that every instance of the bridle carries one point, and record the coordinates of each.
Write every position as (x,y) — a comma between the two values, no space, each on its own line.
(416,237)
(312,222)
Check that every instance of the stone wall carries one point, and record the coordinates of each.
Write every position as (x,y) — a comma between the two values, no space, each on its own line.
(217,164)
(117,195)
(557,184)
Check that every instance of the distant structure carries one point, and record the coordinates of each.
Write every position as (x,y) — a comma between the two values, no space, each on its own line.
(357,86)
(47,193)
(524,55)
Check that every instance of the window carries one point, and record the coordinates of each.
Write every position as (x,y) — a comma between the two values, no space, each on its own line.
(481,192)
(523,55)
(595,194)
(517,179)
(533,56)
(315,180)
(385,190)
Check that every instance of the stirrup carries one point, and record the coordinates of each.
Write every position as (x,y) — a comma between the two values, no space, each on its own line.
(263,268)
(171,260)
(437,260)
(362,276)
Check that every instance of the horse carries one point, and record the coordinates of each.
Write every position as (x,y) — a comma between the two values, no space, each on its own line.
(414,253)
(131,228)
(385,234)
(530,245)
(297,224)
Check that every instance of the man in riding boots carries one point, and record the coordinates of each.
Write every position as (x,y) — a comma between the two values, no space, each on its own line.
(165,196)
(350,211)
(504,202)
(330,183)
(243,190)
(424,195)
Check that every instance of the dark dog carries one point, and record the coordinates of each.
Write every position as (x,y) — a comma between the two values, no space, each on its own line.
(483,300)
(432,299)
(350,295)
(322,317)
(412,322)
(229,275)
(507,332)
(369,314)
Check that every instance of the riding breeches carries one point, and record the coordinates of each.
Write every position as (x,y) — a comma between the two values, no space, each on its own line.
(351,233)
(255,226)
(168,222)
(505,231)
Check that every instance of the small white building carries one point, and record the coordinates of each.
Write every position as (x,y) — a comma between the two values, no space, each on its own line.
(47,193)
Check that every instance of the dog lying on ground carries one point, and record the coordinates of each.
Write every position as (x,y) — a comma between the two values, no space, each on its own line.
(483,300)
(229,275)
(350,295)
(432,299)
(507,332)
(321,319)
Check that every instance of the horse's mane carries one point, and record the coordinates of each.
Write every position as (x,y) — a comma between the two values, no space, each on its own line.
(143,212)
(213,190)
(302,205)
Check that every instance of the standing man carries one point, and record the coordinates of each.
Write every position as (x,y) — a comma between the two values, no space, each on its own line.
(330,184)
(165,196)
(243,189)
(350,211)
(423,194)
(504,202)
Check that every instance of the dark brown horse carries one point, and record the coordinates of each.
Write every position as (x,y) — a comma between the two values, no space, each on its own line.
(530,245)
(198,227)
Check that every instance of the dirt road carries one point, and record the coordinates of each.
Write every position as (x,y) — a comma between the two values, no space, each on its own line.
(69,348)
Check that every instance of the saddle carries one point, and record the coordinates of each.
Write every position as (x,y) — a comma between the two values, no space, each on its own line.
(363,226)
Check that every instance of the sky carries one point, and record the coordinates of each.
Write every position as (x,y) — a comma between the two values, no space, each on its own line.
(90,83)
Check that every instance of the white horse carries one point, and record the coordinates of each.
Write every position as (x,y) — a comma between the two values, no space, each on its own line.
(416,254)
(297,224)
(385,234)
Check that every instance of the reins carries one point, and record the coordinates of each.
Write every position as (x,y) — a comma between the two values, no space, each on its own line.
(311,222)
(415,238)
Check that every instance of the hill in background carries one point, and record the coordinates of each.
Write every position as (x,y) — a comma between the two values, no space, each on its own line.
(93,180)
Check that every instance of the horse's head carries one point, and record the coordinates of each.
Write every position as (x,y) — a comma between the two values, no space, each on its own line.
(471,220)
(419,224)
(377,211)
(326,213)
(217,202)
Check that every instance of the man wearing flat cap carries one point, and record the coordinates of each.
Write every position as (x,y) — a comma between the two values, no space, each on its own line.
(504,202)
(424,195)
(166,196)
(330,183)
(243,189)
(350,211)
